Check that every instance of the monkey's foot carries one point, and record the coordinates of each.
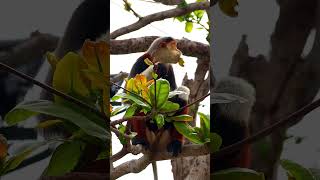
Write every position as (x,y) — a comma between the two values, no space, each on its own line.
(143,142)
(174,147)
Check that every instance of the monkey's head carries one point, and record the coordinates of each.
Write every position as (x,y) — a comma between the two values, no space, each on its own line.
(164,50)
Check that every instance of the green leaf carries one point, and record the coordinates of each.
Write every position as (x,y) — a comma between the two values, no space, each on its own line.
(162,93)
(16,160)
(204,123)
(122,130)
(180,18)
(52,59)
(131,97)
(296,171)
(26,110)
(154,75)
(67,76)
(228,7)
(148,62)
(215,142)
(187,131)
(183,117)
(183,4)
(118,110)
(131,111)
(316,173)
(199,13)
(159,118)
(49,123)
(237,174)
(189,26)
(169,106)
(65,158)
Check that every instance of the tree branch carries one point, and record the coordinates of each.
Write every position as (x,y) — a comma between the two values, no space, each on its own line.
(263,133)
(78,176)
(158,17)
(141,44)
(137,165)
(30,50)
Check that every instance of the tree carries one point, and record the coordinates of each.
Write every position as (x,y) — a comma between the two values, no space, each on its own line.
(285,82)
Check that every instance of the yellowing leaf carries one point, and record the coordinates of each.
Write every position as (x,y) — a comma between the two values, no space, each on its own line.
(49,123)
(228,7)
(181,62)
(67,76)
(96,56)
(52,59)
(148,62)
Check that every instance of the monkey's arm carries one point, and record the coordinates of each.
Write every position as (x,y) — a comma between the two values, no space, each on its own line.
(138,67)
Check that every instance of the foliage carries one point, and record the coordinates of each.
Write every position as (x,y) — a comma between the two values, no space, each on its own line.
(81,75)
(195,17)
(297,172)
(152,99)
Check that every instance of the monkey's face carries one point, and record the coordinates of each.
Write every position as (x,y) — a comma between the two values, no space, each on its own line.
(167,52)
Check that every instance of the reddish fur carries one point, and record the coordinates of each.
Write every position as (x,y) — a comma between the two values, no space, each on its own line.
(139,126)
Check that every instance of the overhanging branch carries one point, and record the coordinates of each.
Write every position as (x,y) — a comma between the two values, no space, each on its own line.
(158,17)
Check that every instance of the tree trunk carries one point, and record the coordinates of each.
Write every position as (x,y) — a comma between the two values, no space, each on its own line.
(285,82)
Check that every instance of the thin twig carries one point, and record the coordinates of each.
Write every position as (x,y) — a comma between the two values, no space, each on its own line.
(268,130)
(118,133)
(136,95)
(129,8)
(115,122)
(52,90)
(158,17)
(188,105)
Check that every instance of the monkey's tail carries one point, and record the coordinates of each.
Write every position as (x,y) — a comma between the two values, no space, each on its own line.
(154,169)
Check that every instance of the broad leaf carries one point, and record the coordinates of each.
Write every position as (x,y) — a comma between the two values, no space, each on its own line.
(65,158)
(132,97)
(296,171)
(16,160)
(122,130)
(49,123)
(204,124)
(131,111)
(67,76)
(237,174)
(118,110)
(187,131)
(188,26)
(162,93)
(26,110)
(183,117)
(169,106)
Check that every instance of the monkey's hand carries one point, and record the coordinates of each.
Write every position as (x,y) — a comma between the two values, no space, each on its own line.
(174,147)
(142,141)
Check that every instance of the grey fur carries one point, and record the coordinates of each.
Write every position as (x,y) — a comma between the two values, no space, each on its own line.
(240,87)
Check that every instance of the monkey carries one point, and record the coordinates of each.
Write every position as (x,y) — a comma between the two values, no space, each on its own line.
(167,138)
(161,52)
(231,122)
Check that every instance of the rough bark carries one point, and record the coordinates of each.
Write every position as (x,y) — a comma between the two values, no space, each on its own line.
(190,168)
(285,82)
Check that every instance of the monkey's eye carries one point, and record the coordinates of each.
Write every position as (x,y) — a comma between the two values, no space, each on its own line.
(162,44)
(172,44)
